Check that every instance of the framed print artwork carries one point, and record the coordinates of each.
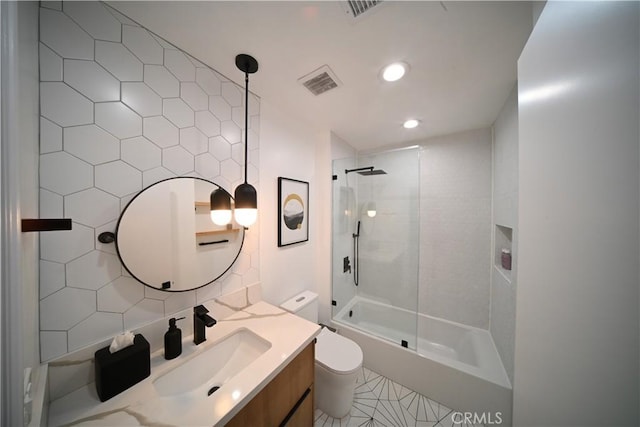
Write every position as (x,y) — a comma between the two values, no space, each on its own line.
(293,211)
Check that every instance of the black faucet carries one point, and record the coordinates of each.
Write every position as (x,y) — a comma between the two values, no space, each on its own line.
(200,320)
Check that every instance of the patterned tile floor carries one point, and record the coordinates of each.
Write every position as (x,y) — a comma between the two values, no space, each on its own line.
(378,402)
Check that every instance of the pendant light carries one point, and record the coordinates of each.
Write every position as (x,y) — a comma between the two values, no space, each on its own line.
(220,207)
(246,210)
(246,197)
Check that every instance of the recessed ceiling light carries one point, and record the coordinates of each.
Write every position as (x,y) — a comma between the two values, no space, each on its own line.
(411,123)
(394,71)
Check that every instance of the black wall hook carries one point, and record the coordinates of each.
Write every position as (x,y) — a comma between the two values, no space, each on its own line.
(106,237)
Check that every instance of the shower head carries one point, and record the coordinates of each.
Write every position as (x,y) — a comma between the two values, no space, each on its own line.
(372,172)
(366,171)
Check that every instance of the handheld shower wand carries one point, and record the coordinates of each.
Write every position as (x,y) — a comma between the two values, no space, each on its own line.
(356,238)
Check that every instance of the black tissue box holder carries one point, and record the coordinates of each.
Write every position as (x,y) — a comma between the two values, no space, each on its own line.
(118,371)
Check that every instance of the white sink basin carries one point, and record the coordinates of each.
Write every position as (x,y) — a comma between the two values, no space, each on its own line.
(215,365)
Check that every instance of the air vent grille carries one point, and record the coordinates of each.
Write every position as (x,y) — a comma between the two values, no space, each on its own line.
(320,80)
(358,7)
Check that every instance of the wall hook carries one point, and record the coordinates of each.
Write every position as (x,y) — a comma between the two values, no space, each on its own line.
(106,237)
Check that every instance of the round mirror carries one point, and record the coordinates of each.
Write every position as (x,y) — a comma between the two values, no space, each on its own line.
(165,237)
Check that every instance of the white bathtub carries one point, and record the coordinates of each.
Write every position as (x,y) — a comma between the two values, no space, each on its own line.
(454,364)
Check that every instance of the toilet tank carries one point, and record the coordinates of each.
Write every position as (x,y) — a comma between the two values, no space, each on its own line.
(304,305)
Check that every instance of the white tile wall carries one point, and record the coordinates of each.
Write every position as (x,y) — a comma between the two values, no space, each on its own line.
(90,79)
(122,109)
(63,173)
(52,344)
(231,94)
(93,270)
(101,324)
(194,141)
(91,144)
(81,304)
(177,160)
(207,123)
(51,204)
(64,106)
(94,19)
(220,147)
(231,132)
(208,81)
(119,61)
(141,99)
(53,277)
(142,313)
(141,153)
(92,207)
(219,107)
(505,212)
(455,227)
(118,119)
(65,246)
(194,96)
(50,136)
(63,36)
(120,295)
(50,65)
(160,131)
(141,44)
(161,80)
(178,64)
(178,112)
(207,165)
(118,178)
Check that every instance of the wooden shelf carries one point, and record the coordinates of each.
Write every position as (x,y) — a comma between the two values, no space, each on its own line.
(202,204)
(214,232)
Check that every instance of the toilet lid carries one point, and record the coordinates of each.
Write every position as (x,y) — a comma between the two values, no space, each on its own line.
(337,353)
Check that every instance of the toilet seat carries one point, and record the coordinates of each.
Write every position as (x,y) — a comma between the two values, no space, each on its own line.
(337,354)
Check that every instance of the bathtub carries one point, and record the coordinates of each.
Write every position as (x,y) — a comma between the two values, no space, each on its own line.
(454,364)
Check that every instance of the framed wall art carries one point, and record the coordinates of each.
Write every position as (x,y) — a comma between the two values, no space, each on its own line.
(293,211)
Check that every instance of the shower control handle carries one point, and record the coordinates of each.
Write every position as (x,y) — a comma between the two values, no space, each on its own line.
(346,265)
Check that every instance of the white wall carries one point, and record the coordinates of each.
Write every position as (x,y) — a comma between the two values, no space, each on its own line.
(505,213)
(288,149)
(577,347)
(455,227)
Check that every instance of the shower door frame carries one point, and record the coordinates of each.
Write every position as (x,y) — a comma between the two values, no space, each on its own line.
(353,213)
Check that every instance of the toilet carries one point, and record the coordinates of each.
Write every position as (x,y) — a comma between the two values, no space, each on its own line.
(338,360)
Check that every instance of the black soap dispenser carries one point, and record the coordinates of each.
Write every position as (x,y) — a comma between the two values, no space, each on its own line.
(173,340)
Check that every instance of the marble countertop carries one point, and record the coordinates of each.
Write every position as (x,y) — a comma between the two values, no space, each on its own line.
(142,405)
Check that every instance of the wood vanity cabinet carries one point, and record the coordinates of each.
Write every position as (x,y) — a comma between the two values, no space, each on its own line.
(287,400)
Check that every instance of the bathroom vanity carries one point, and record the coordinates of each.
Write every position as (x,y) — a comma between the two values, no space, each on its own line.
(286,400)
(255,368)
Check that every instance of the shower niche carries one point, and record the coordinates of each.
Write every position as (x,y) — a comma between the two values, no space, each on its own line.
(503,242)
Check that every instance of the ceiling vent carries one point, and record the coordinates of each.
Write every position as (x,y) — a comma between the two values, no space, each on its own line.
(356,8)
(320,81)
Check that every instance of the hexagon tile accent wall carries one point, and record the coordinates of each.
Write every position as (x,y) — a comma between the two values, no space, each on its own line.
(122,109)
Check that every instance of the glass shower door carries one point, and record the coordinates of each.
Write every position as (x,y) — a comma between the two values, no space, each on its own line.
(344,204)
(376,211)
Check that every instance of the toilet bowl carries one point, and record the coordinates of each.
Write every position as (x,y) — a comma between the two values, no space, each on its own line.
(338,360)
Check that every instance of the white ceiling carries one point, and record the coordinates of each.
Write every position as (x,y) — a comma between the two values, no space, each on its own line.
(462,57)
